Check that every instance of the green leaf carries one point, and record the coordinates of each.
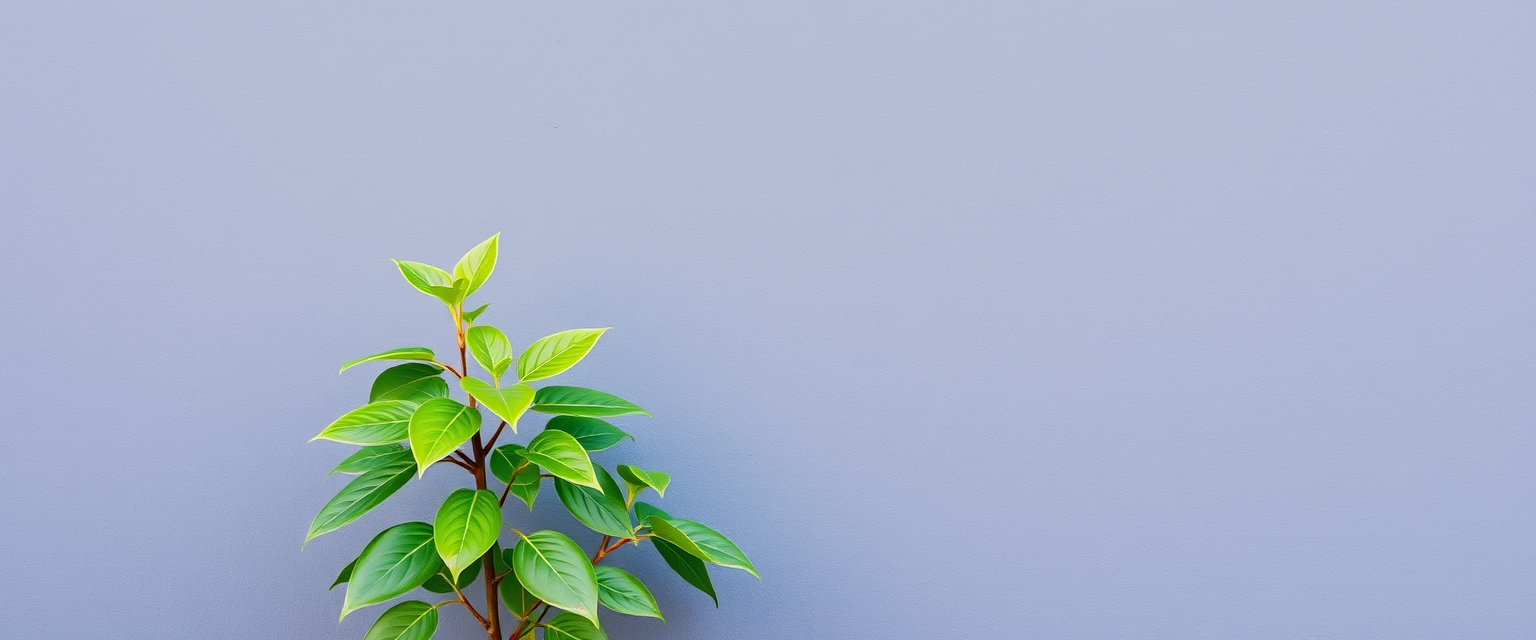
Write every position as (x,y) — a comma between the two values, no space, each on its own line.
(438,427)
(360,496)
(576,401)
(560,454)
(554,354)
(382,422)
(467,525)
(404,353)
(470,316)
(695,538)
(491,349)
(438,583)
(554,569)
(513,594)
(508,404)
(345,575)
(477,265)
(689,567)
(664,529)
(569,626)
(433,281)
(593,434)
(409,620)
(369,457)
(399,559)
(620,591)
(638,479)
(602,511)
(505,460)
(414,382)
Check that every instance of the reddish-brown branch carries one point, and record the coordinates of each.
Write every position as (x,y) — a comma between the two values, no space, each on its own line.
(467,460)
(465,601)
(508,488)
(462,465)
(491,445)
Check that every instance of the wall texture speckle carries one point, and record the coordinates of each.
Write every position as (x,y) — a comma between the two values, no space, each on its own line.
(978,320)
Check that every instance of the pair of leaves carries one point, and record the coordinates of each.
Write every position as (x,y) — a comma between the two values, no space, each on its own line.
(409,620)
(466,526)
(638,479)
(508,404)
(491,349)
(397,560)
(696,539)
(469,273)
(389,471)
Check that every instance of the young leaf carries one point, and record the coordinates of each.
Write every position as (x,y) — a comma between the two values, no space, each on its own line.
(491,349)
(345,575)
(404,353)
(409,620)
(569,626)
(438,427)
(637,479)
(433,281)
(517,598)
(477,265)
(602,511)
(554,569)
(620,591)
(576,401)
(438,583)
(369,457)
(505,460)
(471,316)
(687,566)
(414,382)
(466,526)
(383,422)
(593,434)
(559,453)
(508,404)
(361,495)
(554,354)
(399,559)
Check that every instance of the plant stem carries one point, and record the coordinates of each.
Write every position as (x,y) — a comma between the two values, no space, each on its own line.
(488,563)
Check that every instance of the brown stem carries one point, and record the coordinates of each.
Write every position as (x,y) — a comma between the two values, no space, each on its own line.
(465,601)
(508,488)
(492,443)
(492,606)
(465,458)
(453,460)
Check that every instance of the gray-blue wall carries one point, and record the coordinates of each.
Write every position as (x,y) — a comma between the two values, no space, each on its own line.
(965,320)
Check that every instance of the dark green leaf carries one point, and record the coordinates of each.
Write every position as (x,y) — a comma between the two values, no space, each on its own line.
(438,583)
(593,434)
(370,457)
(504,460)
(686,565)
(438,427)
(345,575)
(397,560)
(554,569)
(552,355)
(381,422)
(569,626)
(404,353)
(467,525)
(413,382)
(409,620)
(603,511)
(576,401)
(517,598)
(624,593)
(360,495)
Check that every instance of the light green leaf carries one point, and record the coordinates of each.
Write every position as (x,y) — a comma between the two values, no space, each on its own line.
(471,316)
(559,453)
(695,538)
(602,511)
(438,583)
(554,354)
(554,569)
(399,559)
(505,460)
(593,434)
(665,530)
(404,353)
(382,422)
(433,281)
(477,265)
(438,427)
(491,349)
(620,591)
(413,382)
(409,620)
(369,457)
(345,575)
(576,401)
(513,594)
(508,404)
(689,567)
(361,495)
(569,626)
(467,525)
(637,479)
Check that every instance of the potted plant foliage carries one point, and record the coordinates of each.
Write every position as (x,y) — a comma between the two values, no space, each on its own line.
(424,413)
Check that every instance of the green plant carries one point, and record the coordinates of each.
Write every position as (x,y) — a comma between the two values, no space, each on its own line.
(412,423)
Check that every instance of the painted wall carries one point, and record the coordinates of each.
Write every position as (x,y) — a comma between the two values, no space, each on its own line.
(970,320)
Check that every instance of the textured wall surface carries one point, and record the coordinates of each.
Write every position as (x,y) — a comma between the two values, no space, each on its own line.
(970,320)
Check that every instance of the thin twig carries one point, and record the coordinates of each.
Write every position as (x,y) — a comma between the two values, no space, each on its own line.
(513,479)
(492,444)
(465,601)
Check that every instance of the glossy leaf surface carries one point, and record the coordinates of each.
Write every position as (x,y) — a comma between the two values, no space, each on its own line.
(718,549)
(593,434)
(409,620)
(554,569)
(508,404)
(438,583)
(552,355)
(361,495)
(513,594)
(382,422)
(559,453)
(432,281)
(569,626)
(577,401)
(505,460)
(602,511)
(476,265)
(345,575)
(687,566)
(404,353)
(397,560)
(413,382)
(638,479)
(620,591)
(466,526)
(438,427)
(369,457)
(491,349)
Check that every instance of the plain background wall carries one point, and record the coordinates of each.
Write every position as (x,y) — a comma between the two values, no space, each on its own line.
(983,320)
